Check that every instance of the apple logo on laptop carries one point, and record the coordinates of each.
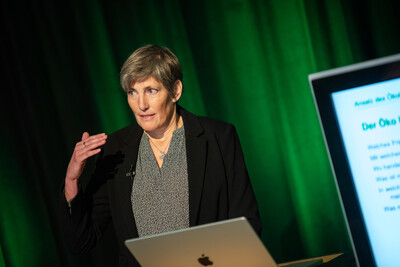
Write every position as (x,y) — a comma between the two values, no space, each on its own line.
(205,261)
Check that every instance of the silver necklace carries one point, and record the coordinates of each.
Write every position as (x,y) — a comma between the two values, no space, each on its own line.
(162,153)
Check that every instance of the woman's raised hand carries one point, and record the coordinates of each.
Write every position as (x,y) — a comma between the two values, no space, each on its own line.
(87,147)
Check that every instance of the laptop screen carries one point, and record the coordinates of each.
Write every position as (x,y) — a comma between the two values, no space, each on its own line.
(230,242)
(359,110)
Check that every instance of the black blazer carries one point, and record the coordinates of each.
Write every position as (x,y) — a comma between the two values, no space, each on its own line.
(219,186)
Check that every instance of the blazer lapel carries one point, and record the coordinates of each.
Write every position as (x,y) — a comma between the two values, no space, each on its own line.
(125,181)
(196,151)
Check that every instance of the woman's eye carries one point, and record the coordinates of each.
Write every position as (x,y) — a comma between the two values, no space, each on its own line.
(131,92)
(153,91)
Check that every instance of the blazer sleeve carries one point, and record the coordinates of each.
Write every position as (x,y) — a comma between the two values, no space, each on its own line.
(242,201)
(86,217)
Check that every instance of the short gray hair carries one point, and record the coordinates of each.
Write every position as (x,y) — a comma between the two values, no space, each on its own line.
(151,61)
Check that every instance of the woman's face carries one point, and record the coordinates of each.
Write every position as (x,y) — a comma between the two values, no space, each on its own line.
(152,104)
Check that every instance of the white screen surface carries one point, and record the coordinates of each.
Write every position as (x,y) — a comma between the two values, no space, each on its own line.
(369,121)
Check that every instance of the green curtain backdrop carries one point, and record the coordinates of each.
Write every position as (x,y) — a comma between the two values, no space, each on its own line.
(245,62)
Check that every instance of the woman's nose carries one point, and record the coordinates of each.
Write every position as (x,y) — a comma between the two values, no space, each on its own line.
(143,102)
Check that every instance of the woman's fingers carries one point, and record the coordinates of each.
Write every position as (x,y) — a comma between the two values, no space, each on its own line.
(85,135)
(92,142)
(88,147)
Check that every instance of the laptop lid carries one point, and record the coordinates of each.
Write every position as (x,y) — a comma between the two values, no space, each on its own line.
(359,112)
(226,243)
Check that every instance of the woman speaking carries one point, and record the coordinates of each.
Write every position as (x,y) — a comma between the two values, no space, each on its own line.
(170,170)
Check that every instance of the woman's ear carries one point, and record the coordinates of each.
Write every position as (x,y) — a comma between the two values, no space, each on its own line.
(178,87)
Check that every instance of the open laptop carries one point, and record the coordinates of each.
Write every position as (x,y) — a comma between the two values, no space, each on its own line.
(227,243)
(359,112)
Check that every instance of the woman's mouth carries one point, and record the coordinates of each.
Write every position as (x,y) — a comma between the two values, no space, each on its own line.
(146,117)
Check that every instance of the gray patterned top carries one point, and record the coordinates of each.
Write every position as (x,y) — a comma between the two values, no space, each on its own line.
(160,196)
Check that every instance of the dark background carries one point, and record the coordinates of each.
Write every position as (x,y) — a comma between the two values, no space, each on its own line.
(245,62)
